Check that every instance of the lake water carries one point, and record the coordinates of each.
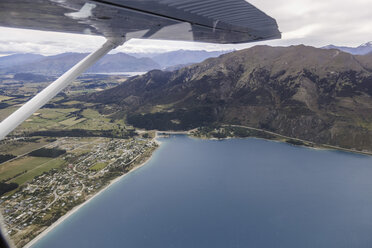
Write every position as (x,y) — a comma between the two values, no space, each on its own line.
(232,193)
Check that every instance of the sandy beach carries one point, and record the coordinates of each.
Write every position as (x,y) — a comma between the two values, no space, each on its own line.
(76,208)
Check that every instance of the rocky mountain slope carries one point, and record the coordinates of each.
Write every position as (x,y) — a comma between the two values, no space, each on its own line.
(314,94)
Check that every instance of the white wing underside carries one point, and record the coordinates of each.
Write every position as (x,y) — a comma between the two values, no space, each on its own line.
(216,21)
(227,21)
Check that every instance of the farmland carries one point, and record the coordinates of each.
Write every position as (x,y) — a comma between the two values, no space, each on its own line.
(91,149)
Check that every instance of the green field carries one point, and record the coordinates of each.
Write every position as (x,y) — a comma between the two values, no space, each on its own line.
(4,98)
(60,118)
(72,121)
(18,166)
(49,118)
(19,147)
(38,170)
(6,112)
(98,166)
(72,103)
(95,121)
(48,113)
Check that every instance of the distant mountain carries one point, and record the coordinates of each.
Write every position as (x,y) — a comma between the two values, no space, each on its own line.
(58,64)
(360,50)
(176,67)
(119,62)
(180,57)
(324,96)
(18,59)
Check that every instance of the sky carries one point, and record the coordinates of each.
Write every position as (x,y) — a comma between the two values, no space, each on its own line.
(310,22)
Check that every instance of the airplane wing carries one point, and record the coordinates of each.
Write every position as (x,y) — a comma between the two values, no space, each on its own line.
(215,21)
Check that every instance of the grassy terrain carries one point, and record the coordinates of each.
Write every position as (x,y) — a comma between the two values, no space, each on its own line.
(19,147)
(67,118)
(6,112)
(71,103)
(4,98)
(63,115)
(48,113)
(72,121)
(159,108)
(38,170)
(19,166)
(96,121)
(98,166)
(47,118)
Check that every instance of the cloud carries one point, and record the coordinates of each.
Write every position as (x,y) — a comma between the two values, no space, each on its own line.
(309,22)
(301,32)
(320,22)
(33,41)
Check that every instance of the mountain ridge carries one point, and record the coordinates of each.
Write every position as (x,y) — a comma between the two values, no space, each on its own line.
(18,59)
(111,63)
(184,57)
(363,49)
(303,92)
(58,64)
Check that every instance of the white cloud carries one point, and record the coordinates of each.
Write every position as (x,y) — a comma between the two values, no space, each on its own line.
(321,22)
(33,41)
(310,22)
(301,32)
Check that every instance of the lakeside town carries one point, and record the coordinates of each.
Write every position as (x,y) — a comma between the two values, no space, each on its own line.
(86,167)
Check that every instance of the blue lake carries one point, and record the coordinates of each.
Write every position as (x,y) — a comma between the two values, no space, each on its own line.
(232,193)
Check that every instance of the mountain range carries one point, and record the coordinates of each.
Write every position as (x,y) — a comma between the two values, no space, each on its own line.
(179,57)
(19,59)
(121,62)
(320,95)
(360,50)
(111,63)
(58,64)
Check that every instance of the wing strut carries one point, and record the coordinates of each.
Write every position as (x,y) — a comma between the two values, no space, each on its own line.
(21,114)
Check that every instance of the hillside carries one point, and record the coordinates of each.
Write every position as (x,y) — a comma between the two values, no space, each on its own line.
(304,92)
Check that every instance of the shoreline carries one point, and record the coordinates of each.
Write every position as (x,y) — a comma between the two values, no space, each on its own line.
(188,133)
(90,198)
(320,147)
(282,138)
